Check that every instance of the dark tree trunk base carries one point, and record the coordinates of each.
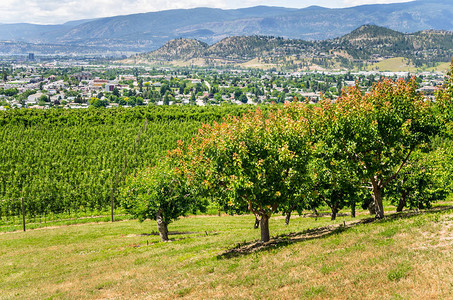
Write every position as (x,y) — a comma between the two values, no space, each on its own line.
(402,202)
(162,227)
(378,204)
(264,224)
(257,223)
(333,217)
(287,218)
(372,208)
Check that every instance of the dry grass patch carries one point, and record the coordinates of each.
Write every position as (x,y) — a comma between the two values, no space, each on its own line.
(313,259)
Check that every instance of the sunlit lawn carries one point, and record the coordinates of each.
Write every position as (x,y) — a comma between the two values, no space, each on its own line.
(407,258)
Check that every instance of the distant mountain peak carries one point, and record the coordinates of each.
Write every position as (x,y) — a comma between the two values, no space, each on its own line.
(315,7)
(371,31)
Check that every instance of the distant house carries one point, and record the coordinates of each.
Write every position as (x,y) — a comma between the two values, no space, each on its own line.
(82,76)
(33,99)
(109,87)
(100,82)
(127,77)
(37,107)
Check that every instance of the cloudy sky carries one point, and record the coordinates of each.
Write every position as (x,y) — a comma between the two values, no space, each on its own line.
(60,11)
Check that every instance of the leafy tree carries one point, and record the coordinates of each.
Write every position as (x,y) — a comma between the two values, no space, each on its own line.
(255,161)
(192,98)
(159,193)
(334,184)
(116,92)
(243,98)
(377,132)
(167,98)
(164,89)
(122,101)
(444,97)
(237,93)
(139,101)
(96,102)
(420,183)
(43,98)
(11,92)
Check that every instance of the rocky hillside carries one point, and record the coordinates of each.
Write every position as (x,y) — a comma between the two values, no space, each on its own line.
(366,43)
(178,49)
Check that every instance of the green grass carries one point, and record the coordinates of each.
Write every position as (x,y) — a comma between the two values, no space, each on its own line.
(396,64)
(401,271)
(15,224)
(408,257)
(401,64)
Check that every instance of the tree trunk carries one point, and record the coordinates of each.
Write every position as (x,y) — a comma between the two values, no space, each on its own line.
(402,202)
(353,209)
(334,213)
(257,223)
(162,227)
(379,206)
(264,224)
(372,207)
(288,217)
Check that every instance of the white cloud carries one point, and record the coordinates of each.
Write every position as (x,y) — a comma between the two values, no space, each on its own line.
(60,11)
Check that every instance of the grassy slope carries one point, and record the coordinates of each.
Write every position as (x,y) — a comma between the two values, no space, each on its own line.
(400,64)
(396,64)
(408,258)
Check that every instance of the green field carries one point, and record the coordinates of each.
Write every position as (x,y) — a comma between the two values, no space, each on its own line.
(407,257)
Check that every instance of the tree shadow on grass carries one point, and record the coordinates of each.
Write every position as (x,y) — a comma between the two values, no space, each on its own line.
(169,233)
(316,233)
(411,213)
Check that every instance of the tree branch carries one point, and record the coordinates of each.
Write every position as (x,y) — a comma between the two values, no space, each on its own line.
(255,212)
(398,171)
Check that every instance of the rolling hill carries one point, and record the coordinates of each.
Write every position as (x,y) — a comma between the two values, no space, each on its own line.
(366,45)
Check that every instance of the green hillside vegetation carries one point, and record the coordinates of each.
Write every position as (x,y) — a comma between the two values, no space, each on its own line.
(71,162)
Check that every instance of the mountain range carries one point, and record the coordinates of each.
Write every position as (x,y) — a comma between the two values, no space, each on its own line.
(149,31)
(366,45)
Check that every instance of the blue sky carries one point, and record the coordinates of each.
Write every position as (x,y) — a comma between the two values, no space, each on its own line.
(60,11)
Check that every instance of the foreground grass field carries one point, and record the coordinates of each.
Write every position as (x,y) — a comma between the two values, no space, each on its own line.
(405,257)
